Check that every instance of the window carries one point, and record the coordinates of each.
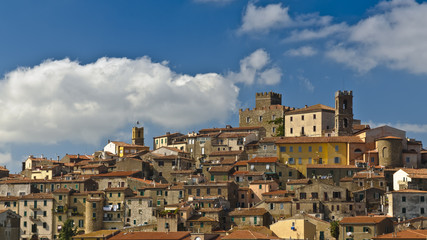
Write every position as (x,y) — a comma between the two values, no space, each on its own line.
(260,186)
(75,200)
(314,128)
(372,159)
(25,213)
(291,149)
(314,116)
(422,210)
(291,130)
(407,159)
(219,191)
(291,161)
(302,131)
(264,147)
(365,229)
(243,219)
(45,203)
(299,161)
(291,119)
(403,210)
(271,206)
(320,161)
(248,119)
(25,203)
(111,195)
(282,149)
(93,205)
(337,160)
(290,174)
(25,224)
(161,163)
(60,198)
(314,195)
(336,148)
(274,129)
(421,198)
(94,215)
(302,117)
(349,229)
(403,199)
(44,213)
(299,149)
(310,161)
(320,148)
(260,118)
(303,195)
(336,194)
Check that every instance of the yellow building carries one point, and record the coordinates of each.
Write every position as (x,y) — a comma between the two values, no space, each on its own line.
(298,152)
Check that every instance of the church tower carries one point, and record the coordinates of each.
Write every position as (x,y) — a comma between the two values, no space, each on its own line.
(344,113)
(138,135)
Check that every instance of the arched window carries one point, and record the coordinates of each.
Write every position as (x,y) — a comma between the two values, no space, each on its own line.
(345,122)
(357,150)
(385,152)
(344,104)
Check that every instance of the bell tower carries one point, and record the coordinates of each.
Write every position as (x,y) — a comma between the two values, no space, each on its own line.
(344,113)
(138,135)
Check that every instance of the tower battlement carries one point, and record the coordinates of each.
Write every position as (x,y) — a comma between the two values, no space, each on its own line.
(343,93)
(265,99)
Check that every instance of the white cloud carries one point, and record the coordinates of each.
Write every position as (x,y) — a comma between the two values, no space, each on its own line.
(305,82)
(310,34)
(260,19)
(275,16)
(253,69)
(64,100)
(394,36)
(305,51)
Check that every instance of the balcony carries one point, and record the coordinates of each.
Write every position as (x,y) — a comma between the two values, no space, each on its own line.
(35,218)
(34,207)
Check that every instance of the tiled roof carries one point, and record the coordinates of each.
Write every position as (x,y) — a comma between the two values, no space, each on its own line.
(278,192)
(247,234)
(142,180)
(211,209)
(62,190)
(92,166)
(331,166)
(410,234)
(97,234)
(241,163)
(155,186)
(170,135)
(3,169)
(269,139)
(117,189)
(227,168)
(338,139)
(389,138)
(262,181)
(117,174)
(236,129)
(317,107)
(38,196)
(263,160)
(409,191)
(151,236)
(363,220)
(298,181)
(8,198)
(228,161)
(233,134)
(248,212)
(197,218)
(359,175)
(248,173)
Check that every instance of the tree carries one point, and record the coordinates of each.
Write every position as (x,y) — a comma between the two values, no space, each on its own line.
(335,229)
(67,231)
(281,128)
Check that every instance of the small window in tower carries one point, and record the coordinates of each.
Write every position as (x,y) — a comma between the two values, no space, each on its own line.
(345,122)
(248,119)
(314,128)
(314,116)
(302,117)
(260,118)
(344,104)
(291,119)
(273,117)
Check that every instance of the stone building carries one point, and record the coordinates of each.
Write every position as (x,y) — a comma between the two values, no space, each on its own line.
(407,203)
(268,107)
(36,211)
(227,189)
(250,217)
(139,211)
(311,121)
(344,113)
(364,227)
(10,225)
(302,226)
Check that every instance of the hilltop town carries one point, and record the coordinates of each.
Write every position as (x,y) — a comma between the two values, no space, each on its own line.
(283,173)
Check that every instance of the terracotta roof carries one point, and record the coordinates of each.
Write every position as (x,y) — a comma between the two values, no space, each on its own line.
(117,174)
(228,161)
(98,234)
(225,153)
(117,189)
(155,186)
(211,209)
(278,192)
(197,218)
(62,190)
(331,166)
(363,220)
(247,234)
(241,163)
(227,168)
(359,127)
(317,107)
(3,169)
(269,139)
(346,179)
(233,134)
(262,181)
(123,144)
(359,175)
(409,234)
(170,135)
(298,181)
(338,139)
(263,160)
(182,172)
(8,198)
(248,212)
(389,138)
(230,129)
(142,180)
(38,196)
(409,191)
(151,236)
(93,166)
(248,173)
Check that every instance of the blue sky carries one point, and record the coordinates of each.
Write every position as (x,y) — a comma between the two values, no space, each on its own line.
(77,73)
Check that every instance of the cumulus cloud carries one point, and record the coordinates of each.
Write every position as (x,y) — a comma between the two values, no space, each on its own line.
(5,157)
(253,68)
(275,16)
(393,36)
(312,34)
(64,100)
(305,51)
(305,82)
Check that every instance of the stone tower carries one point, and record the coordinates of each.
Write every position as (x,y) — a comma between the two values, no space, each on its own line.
(267,99)
(138,135)
(344,113)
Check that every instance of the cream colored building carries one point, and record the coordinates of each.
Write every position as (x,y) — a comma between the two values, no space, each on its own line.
(139,211)
(313,121)
(294,229)
(36,211)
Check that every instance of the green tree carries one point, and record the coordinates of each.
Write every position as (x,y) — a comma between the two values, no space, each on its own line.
(67,231)
(281,128)
(335,229)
